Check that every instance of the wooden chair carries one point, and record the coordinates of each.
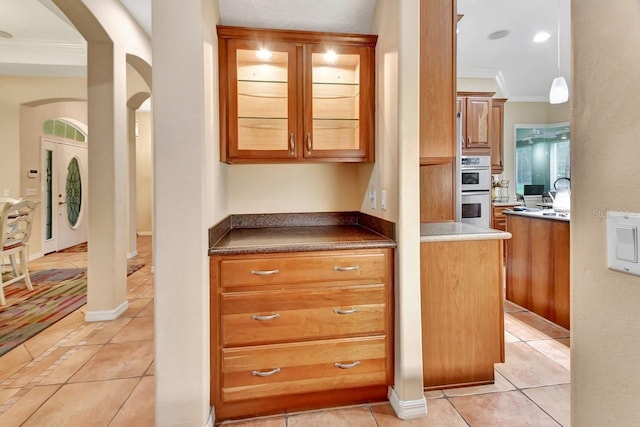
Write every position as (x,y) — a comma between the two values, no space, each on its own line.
(16,221)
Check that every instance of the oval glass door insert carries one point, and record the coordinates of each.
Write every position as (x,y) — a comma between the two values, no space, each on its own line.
(74,192)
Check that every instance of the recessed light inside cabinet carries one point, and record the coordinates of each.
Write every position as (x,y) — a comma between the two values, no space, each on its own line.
(541,37)
(264,54)
(330,57)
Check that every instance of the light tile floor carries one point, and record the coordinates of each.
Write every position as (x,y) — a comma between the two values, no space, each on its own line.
(101,374)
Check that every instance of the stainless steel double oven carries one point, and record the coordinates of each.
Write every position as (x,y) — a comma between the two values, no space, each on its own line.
(475,190)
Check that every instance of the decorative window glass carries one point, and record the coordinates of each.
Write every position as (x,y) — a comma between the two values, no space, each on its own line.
(74,192)
(63,129)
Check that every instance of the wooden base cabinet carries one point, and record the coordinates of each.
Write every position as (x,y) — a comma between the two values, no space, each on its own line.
(299,331)
(538,274)
(462,312)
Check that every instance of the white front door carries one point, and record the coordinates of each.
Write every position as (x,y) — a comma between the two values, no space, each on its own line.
(65,198)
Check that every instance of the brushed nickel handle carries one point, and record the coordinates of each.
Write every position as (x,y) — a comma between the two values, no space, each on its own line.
(265,272)
(469,140)
(347,365)
(348,311)
(265,373)
(267,317)
(308,142)
(348,268)
(292,144)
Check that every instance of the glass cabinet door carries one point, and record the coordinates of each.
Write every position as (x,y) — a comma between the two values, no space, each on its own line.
(335,110)
(263,101)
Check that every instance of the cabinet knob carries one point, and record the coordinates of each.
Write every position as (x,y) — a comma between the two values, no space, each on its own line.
(292,145)
(308,142)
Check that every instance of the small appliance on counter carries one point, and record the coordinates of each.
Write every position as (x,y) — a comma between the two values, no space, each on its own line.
(499,190)
(562,199)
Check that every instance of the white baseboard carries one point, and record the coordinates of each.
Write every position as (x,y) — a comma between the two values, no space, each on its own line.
(102,315)
(132,254)
(35,256)
(407,409)
(212,417)
(144,233)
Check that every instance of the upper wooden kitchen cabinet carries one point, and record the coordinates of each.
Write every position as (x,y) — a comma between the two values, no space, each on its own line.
(476,123)
(291,96)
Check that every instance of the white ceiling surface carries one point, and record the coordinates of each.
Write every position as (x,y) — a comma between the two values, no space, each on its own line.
(524,69)
(45,43)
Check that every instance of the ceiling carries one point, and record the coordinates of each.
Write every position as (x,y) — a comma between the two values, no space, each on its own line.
(45,43)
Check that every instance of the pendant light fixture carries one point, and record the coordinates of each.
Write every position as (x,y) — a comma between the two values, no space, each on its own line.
(559,92)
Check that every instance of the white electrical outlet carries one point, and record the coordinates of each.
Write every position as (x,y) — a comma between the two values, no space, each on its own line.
(372,198)
(383,200)
(7,193)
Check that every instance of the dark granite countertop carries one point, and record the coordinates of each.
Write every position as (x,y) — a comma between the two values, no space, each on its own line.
(272,233)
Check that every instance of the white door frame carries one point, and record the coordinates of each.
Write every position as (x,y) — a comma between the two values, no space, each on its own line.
(49,143)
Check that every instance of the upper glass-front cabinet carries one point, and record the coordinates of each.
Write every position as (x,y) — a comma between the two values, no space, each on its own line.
(296,96)
(262,100)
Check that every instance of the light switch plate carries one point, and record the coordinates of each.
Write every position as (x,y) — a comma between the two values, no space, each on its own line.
(622,242)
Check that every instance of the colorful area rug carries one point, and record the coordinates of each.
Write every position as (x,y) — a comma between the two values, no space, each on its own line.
(56,294)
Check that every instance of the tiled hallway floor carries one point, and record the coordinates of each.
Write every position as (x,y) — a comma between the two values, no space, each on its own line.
(101,374)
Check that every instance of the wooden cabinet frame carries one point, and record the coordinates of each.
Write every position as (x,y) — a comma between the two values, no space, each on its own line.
(299,45)
(303,274)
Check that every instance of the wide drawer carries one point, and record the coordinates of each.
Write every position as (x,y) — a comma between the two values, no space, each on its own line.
(263,317)
(283,369)
(283,269)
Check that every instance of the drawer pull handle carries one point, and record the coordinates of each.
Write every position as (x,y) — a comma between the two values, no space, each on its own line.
(347,365)
(265,373)
(349,268)
(267,317)
(348,311)
(264,272)
(292,145)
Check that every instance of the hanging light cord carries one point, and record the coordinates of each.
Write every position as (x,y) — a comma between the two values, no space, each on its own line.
(558,3)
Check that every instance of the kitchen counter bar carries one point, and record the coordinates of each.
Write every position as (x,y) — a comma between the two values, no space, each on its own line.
(538,264)
(540,213)
(276,233)
(457,231)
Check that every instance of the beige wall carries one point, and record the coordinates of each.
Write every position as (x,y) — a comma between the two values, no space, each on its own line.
(18,90)
(25,104)
(144,182)
(397,170)
(605,338)
(293,188)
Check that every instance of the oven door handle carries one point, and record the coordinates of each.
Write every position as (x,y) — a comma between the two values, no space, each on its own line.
(476,193)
